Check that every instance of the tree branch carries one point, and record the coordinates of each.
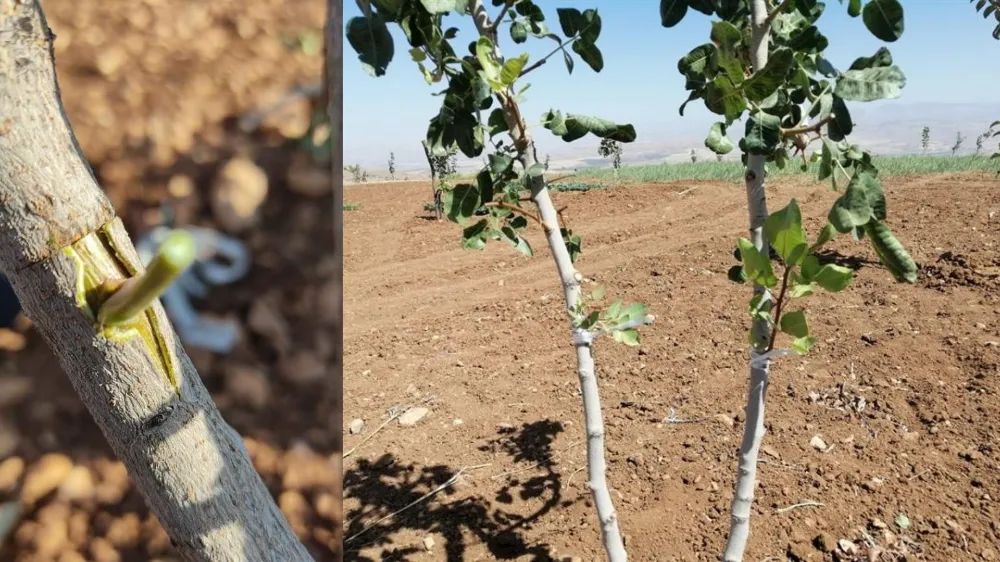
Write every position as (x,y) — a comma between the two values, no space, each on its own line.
(503,13)
(774,13)
(814,128)
(187,462)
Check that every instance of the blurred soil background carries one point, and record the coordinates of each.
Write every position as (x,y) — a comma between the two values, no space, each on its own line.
(156,92)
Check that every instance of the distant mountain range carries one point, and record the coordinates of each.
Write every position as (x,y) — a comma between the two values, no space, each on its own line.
(882,127)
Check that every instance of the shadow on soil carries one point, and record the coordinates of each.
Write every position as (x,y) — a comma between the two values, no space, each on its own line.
(394,498)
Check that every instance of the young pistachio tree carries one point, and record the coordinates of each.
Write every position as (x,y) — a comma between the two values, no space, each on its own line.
(766,61)
(481,105)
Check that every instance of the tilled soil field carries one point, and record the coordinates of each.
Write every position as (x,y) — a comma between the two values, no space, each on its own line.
(881,444)
(163,98)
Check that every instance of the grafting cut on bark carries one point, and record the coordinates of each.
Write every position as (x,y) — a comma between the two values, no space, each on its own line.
(188,463)
(753,431)
(570,281)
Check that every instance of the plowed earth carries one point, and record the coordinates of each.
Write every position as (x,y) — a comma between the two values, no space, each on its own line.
(902,386)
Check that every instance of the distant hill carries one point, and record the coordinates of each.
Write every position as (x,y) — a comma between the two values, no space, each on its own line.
(882,127)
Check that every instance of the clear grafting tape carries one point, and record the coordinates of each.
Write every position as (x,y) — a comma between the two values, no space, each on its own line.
(582,337)
(761,359)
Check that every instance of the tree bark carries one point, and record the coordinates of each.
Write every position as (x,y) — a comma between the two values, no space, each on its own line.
(188,463)
(753,431)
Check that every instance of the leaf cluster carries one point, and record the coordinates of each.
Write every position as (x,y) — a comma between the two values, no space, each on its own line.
(803,273)
(798,93)
(990,8)
(592,317)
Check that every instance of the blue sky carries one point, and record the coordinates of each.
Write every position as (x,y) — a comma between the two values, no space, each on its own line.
(942,52)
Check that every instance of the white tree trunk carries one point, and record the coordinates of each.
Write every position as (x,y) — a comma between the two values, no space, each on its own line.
(753,431)
(570,280)
(190,466)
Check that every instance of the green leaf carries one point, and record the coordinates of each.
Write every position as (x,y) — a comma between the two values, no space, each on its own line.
(756,266)
(496,122)
(825,161)
(484,182)
(484,54)
(706,7)
(613,311)
(841,126)
(884,19)
(460,203)
(500,163)
(794,324)
(891,252)
(783,229)
(572,127)
(599,293)
(474,236)
(512,69)
(881,58)
(810,267)
(697,61)
(833,278)
(518,243)
(519,31)
(590,54)
(634,312)
(443,6)
(801,290)
(722,98)
(851,209)
(586,24)
(726,36)
(803,345)
(871,84)
(535,170)
(717,140)
(628,337)
(809,40)
(764,82)
(828,233)
(371,40)
(573,244)
(672,12)
(763,133)
(854,8)
(869,183)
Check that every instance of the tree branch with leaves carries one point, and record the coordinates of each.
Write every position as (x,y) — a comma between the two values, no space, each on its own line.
(766,63)
(487,81)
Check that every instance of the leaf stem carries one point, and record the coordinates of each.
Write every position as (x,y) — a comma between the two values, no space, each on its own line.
(561,47)
(814,128)
(503,12)
(777,308)
(514,209)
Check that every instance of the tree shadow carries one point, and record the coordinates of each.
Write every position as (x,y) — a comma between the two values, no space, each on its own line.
(393,500)
(855,263)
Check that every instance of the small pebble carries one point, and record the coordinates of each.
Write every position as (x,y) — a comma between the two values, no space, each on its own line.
(412,416)
(356,426)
